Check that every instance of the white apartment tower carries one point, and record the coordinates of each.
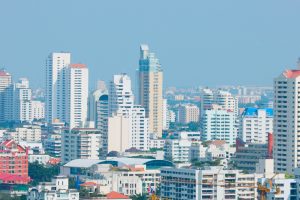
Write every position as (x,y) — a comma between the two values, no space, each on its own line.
(123,110)
(66,90)
(22,108)
(287,121)
(77,92)
(150,89)
(55,86)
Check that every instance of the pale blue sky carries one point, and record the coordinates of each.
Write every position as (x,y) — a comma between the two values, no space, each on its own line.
(198,42)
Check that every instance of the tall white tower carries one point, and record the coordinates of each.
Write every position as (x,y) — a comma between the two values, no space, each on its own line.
(286,121)
(56,94)
(77,86)
(122,110)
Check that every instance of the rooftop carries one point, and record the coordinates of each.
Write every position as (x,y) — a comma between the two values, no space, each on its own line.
(253,112)
(291,73)
(116,195)
(82,163)
(77,65)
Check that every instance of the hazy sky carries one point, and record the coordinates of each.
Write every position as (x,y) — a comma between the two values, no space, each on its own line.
(198,42)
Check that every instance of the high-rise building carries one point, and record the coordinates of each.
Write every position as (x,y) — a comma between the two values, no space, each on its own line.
(188,113)
(207,99)
(255,124)
(101,123)
(286,121)
(56,92)
(22,108)
(92,103)
(166,121)
(66,90)
(5,83)
(150,89)
(123,110)
(77,86)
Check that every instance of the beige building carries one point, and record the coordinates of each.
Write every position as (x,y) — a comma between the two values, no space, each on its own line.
(118,133)
(150,88)
(188,113)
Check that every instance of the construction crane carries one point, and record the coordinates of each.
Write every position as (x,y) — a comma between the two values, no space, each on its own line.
(267,187)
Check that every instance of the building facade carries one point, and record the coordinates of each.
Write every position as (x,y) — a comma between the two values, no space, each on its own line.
(219,125)
(150,89)
(188,113)
(80,143)
(14,160)
(255,124)
(286,117)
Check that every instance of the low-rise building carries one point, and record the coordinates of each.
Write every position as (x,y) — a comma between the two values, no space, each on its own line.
(58,189)
(40,158)
(14,162)
(247,155)
(209,183)
(255,124)
(177,150)
(27,133)
(52,145)
(80,143)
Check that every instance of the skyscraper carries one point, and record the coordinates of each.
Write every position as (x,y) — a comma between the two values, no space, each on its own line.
(122,110)
(22,108)
(150,89)
(77,87)
(5,83)
(56,64)
(66,90)
(286,121)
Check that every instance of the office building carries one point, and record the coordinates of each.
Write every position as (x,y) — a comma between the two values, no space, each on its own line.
(150,89)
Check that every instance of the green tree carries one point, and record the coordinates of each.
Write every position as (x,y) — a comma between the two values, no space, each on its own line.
(194,126)
(41,173)
(139,197)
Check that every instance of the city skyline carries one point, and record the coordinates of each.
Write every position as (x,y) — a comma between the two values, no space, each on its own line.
(256,44)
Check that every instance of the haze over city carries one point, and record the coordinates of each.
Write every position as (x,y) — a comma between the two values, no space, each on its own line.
(149,100)
(206,43)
